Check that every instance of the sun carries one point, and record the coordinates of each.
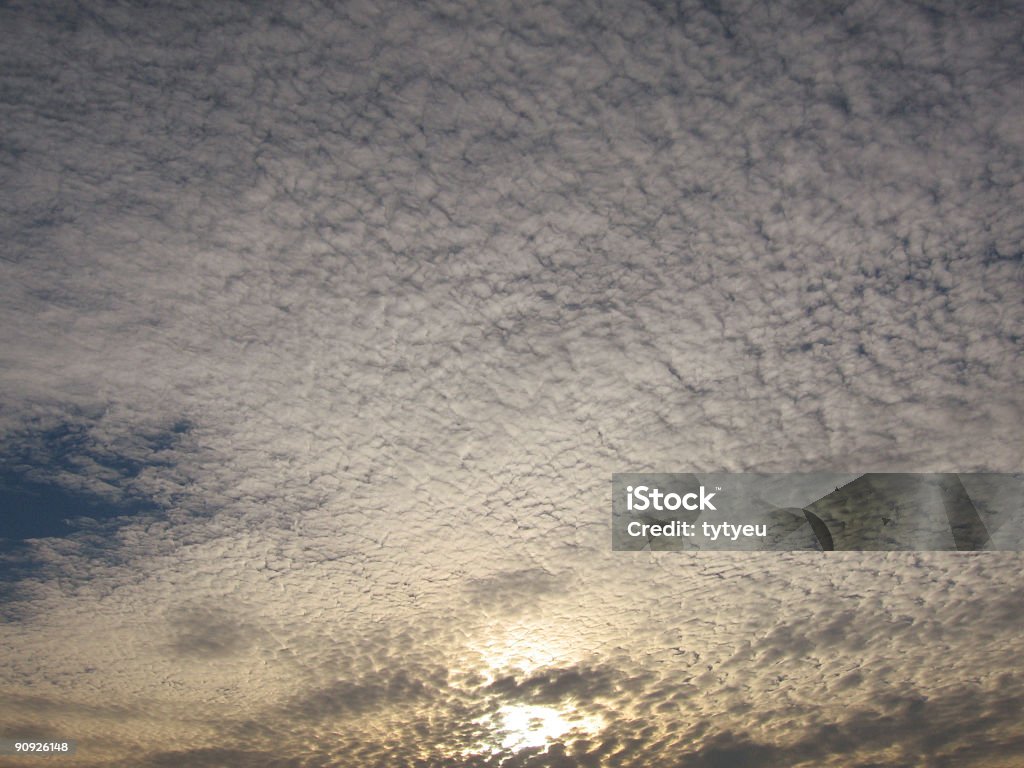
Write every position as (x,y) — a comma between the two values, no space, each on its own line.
(526,725)
(530,726)
(516,652)
(514,727)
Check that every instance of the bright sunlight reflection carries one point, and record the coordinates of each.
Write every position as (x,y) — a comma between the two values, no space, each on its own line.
(523,726)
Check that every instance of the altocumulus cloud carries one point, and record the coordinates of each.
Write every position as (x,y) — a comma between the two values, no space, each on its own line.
(345,313)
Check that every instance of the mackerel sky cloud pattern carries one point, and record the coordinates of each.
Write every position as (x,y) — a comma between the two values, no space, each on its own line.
(333,321)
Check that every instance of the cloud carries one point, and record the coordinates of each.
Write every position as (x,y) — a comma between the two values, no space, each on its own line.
(554,686)
(216,757)
(206,633)
(363,304)
(514,591)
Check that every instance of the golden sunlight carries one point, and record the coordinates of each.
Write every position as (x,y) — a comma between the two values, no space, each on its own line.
(530,726)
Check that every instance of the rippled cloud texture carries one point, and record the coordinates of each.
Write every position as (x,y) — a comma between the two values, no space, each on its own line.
(357,307)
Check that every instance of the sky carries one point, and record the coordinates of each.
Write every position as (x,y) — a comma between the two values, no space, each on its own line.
(325,325)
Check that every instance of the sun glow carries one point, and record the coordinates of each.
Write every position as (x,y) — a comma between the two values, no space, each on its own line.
(514,727)
(525,726)
(524,654)
(511,654)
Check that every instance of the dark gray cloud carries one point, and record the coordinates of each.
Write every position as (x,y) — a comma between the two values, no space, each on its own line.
(554,686)
(206,632)
(214,756)
(515,591)
(366,302)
